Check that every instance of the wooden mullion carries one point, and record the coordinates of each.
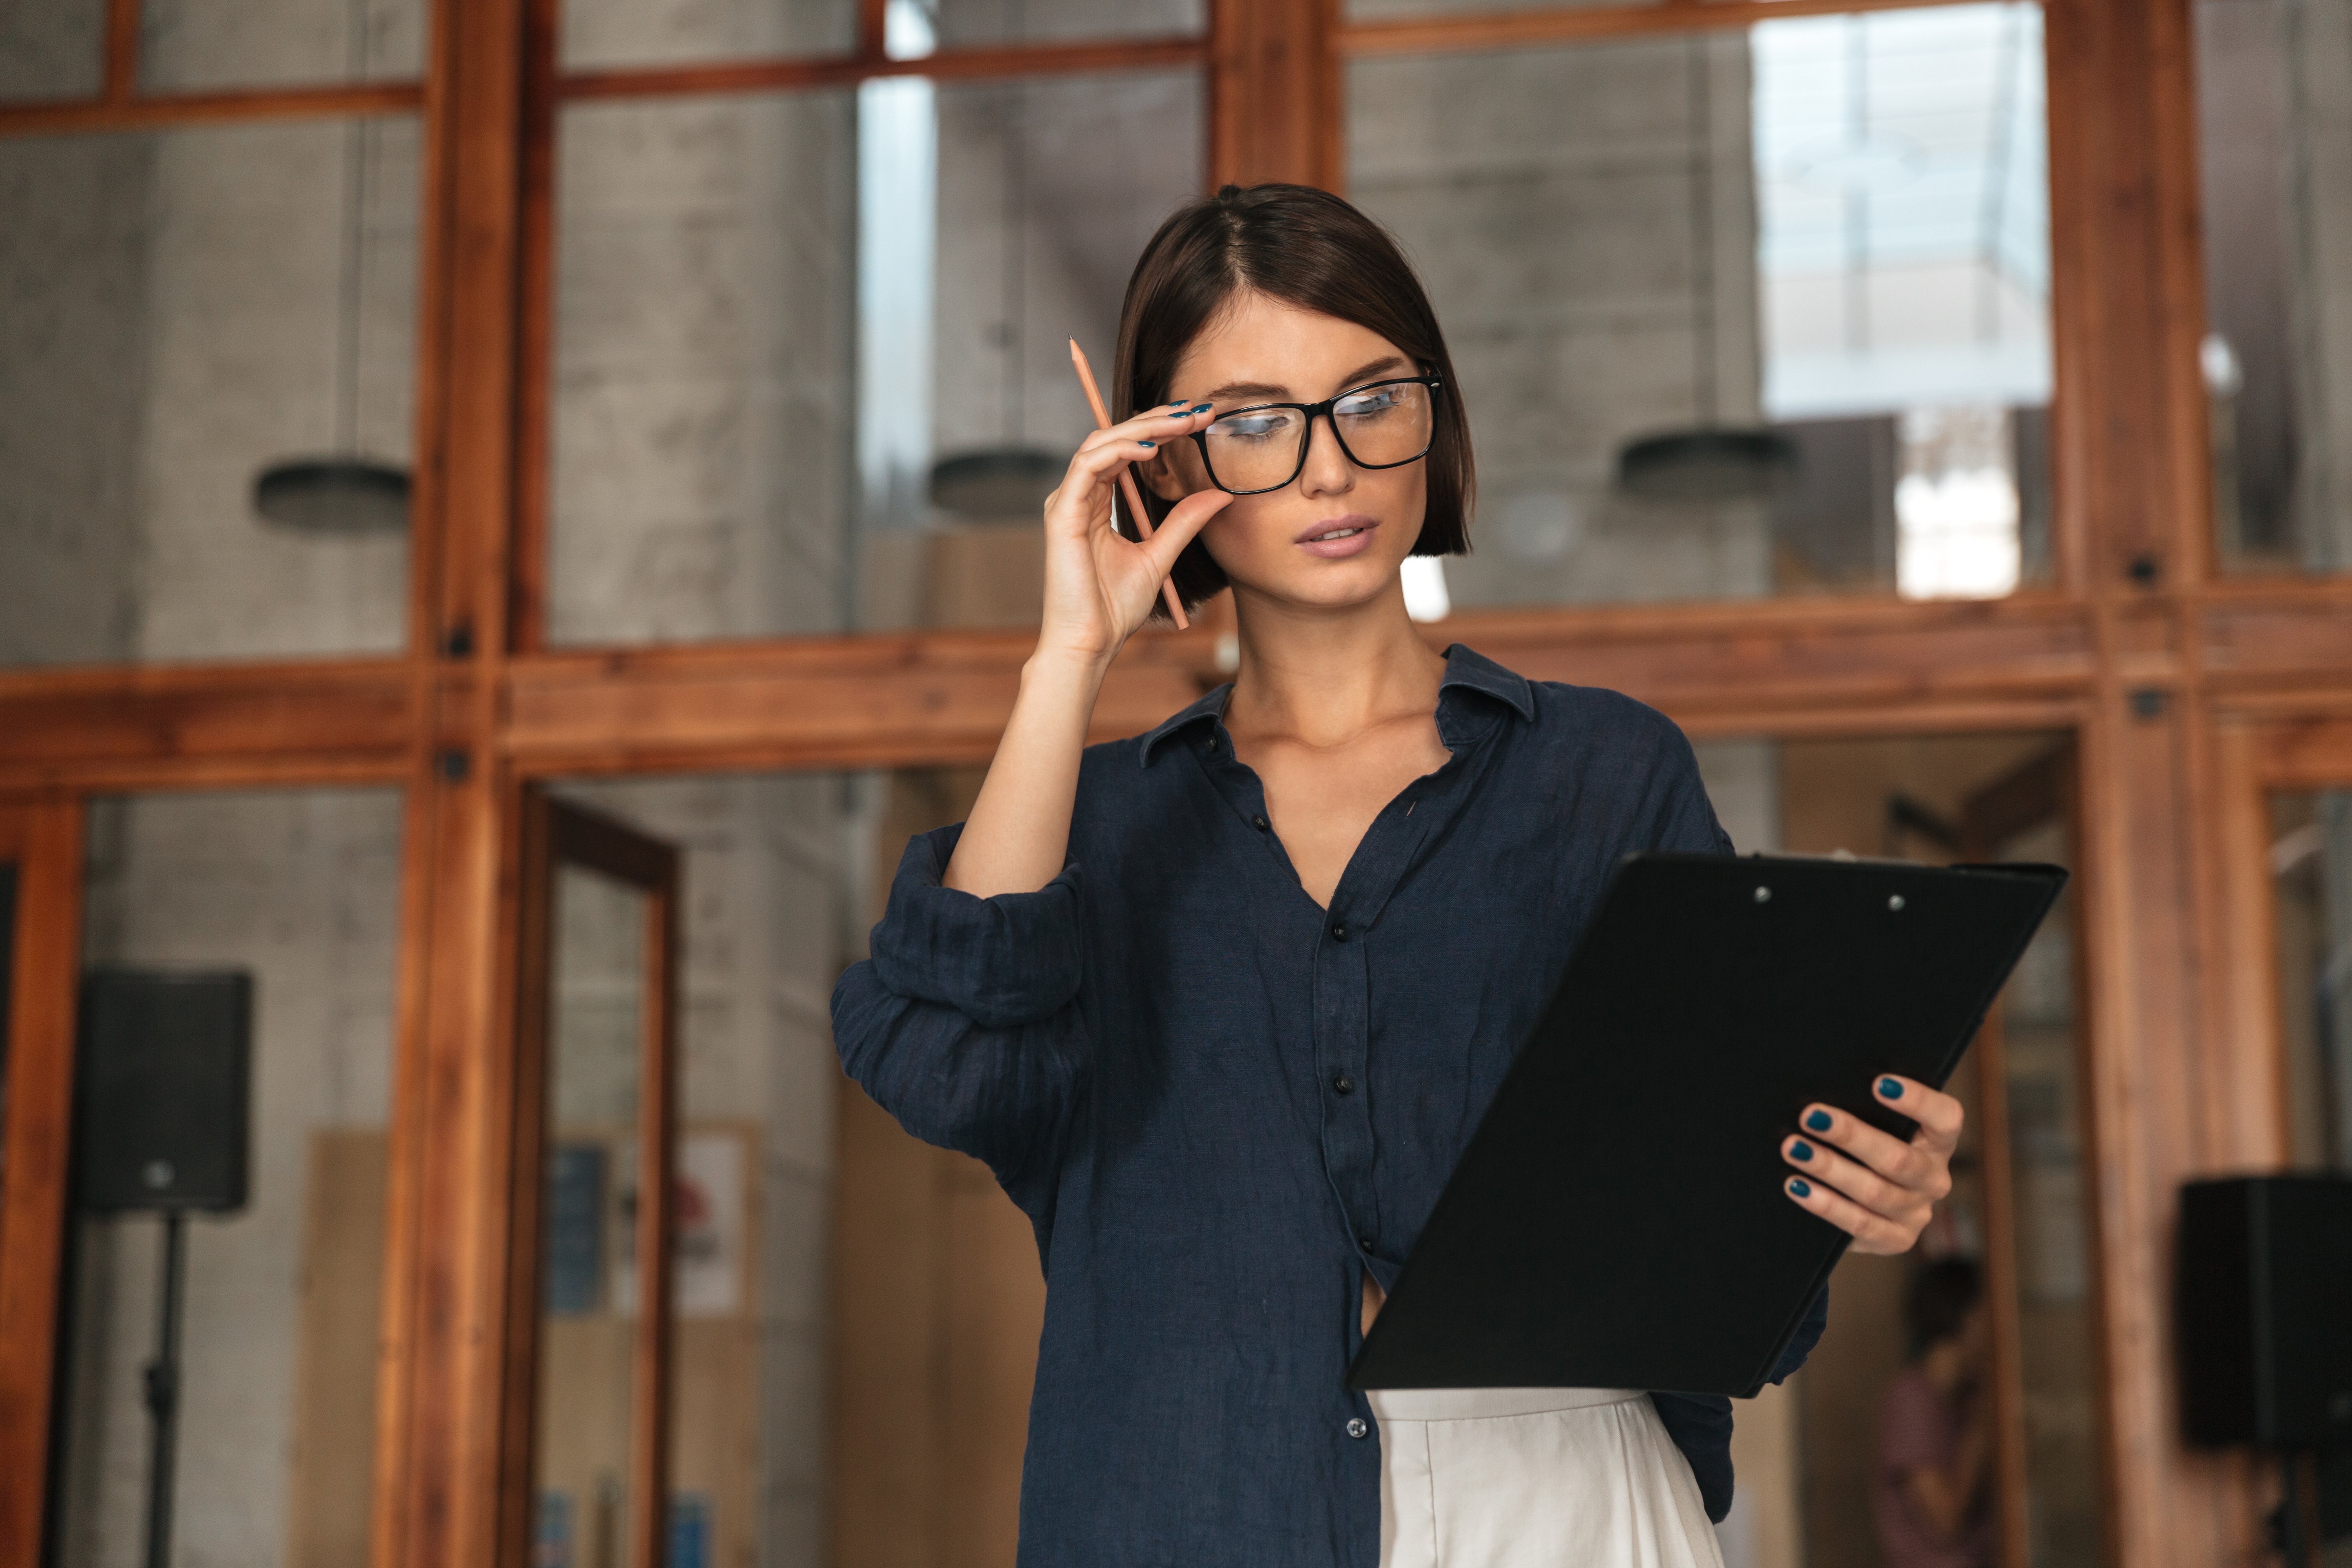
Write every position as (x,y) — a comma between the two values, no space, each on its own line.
(1275,92)
(231,107)
(121,51)
(802,73)
(1480,32)
(534,445)
(44,838)
(651,1412)
(535,937)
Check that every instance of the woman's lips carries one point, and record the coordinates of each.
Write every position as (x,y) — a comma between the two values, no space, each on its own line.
(1338,537)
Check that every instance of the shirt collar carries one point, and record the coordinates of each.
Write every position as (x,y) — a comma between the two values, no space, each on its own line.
(1464,667)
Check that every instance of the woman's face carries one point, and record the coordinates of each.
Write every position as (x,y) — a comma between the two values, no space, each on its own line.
(1336,535)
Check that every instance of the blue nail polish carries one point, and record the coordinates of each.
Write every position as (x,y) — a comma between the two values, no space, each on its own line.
(1176,408)
(1890,1088)
(1200,407)
(1797,1185)
(1147,443)
(1819,1120)
(1800,1150)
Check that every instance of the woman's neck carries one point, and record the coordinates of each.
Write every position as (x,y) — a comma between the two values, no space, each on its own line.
(1323,676)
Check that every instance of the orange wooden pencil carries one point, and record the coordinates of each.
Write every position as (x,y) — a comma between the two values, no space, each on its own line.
(1126,480)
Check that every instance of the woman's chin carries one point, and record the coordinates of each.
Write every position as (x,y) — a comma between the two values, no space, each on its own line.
(1351,583)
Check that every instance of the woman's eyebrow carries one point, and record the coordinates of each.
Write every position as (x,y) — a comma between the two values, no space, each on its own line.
(1267,390)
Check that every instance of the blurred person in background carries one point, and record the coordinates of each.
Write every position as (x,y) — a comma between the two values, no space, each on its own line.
(1928,1496)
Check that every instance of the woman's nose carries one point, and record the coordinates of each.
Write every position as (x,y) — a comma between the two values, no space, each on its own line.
(1328,471)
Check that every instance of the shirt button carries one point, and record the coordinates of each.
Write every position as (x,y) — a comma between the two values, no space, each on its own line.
(1355,1428)
(1343,1084)
(1259,823)
(1365,1242)
(1339,934)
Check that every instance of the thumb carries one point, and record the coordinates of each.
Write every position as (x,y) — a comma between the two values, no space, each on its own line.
(1181,526)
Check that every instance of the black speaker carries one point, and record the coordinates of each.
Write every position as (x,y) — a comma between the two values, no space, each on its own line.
(165,1071)
(2266,1311)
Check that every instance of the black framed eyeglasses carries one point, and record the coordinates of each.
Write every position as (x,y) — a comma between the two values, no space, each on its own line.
(1385,425)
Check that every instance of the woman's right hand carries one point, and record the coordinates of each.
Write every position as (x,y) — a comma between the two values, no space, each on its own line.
(1100,586)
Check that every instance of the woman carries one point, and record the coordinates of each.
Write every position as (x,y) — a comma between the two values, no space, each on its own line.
(1221,1004)
(1927,1496)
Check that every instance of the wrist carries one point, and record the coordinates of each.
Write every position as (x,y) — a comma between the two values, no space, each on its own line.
(1061,663)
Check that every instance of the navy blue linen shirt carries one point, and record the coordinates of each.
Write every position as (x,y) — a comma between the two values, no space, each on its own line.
(1219,1104)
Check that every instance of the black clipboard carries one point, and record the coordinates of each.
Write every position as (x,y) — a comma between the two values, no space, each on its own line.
(1708,1003)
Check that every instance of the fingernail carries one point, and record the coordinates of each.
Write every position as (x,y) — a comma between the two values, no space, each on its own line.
(1176,408)
(1800,1150)
(1200,407)
(1797,1185)
(1819,1120)
(1890,1088)
(1147,443)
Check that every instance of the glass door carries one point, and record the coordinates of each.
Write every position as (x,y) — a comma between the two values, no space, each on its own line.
(599,1027)
(2038,1275)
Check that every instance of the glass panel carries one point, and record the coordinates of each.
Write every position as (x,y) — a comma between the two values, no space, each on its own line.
(188,46)
(2275,97)
(588,1295)
(301,892)
(1405,10)
(52,48)
(1812,1487)
(748,415)
(1825,236)
(773,896)
(599,34)
(189,308)
(2311,866)
(2048,1159)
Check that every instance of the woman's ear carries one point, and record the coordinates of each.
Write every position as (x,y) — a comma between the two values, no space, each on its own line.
(1159,477)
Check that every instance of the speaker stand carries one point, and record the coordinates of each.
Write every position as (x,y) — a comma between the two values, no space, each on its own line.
(164,1391)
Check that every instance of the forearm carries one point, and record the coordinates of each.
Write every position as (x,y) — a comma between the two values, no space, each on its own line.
(1019,833)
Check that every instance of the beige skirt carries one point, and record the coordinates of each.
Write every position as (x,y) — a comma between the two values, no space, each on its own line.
(1535,1478)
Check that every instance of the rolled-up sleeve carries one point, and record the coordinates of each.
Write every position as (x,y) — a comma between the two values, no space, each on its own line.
(965,1024)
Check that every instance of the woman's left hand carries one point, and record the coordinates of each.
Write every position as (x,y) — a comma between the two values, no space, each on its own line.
(1873,1184)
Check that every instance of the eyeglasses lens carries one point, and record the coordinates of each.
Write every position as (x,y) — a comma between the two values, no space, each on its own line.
(1259,448)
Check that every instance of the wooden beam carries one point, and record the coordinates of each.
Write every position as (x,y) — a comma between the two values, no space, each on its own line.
(1808,665)
(145,726)
(1538,27)
(802,73)
(236,107)
(1274,107)
(121,51)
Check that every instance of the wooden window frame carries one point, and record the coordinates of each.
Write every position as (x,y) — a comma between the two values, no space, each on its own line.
(2186,693)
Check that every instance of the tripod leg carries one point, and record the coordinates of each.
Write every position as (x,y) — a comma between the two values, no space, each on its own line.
(163,1393)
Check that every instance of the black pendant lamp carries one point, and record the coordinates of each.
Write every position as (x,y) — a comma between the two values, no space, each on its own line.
(1709,461)
(345,493)
(1006,483)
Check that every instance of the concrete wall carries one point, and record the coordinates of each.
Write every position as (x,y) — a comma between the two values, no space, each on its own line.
(298,889)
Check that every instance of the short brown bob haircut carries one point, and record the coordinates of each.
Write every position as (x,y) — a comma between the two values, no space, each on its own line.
(1309,248)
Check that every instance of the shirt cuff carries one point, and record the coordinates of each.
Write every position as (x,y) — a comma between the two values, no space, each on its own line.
(1013,959)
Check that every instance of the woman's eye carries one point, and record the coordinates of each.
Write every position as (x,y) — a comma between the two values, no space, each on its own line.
(1367,403)
(1248,427)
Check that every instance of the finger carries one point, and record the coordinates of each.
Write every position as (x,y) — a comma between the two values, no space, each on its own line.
(1914,1165)
(1181,526)
(1870,1232)
(1938,1114)
(1155,424)
(1820,1163)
